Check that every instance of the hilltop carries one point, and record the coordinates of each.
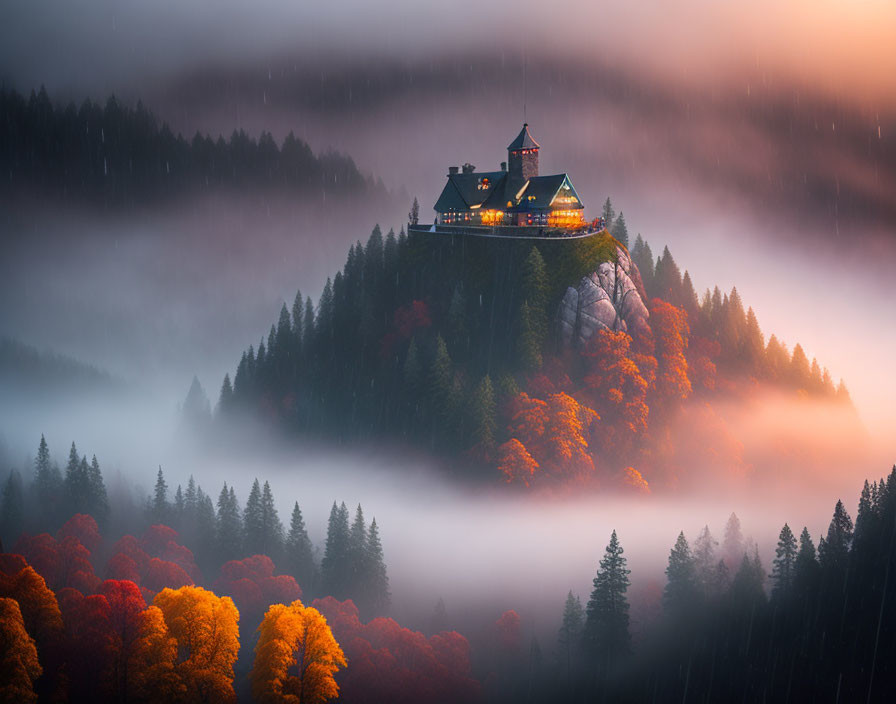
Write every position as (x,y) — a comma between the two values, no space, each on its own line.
(545,363)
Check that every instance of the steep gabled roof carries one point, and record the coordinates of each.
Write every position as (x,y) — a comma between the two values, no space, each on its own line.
(523,140)
(468,191)
(541,191)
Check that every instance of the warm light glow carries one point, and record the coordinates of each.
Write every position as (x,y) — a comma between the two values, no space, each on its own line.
(492,217)
(566,218)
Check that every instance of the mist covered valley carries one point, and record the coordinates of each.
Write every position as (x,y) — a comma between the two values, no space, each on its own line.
(151,294)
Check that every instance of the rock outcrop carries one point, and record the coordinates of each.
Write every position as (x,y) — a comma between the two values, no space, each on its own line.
(610,298)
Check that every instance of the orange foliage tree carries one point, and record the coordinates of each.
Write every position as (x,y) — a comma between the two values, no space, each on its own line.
(515,462)
(554,432)
(153,665)
(19,666)
(613,382)
(671,331)
(206,629)
(296,656)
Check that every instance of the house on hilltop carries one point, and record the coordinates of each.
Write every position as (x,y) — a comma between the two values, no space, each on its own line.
(516,196)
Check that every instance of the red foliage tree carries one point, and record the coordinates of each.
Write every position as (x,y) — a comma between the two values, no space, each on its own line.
(406,321)
(390,663)
(126,605)
(83,527)
(253,586)
(89,644)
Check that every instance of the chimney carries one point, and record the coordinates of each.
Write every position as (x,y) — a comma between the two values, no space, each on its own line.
(452,170)
(503,166)
(469,168)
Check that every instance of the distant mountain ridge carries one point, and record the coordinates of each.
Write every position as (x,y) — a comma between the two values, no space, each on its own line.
(115,155)
(25,366)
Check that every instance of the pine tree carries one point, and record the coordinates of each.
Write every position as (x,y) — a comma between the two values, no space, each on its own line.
(206,532)
(357,548)
(798,374)
(620,231)
(177,509)
(225,398)
(12,508)
(229,528)
(680,593)
(535,289)
(642,258)
(806,566)
(733,543)
(607,621)
(414,215)
(336,553)
(747,585)
(299,551)
(158,509)
(705,563)
(298,324)
(689,297)
(528,349)
(98,498)
(753,346)
(76,483)
(377,577)
(253,522)
(784,564)
(484,411)
(608,214)
(440,377)
(833,551)
(271,526)
(196,409)
(569,637)
(47,479)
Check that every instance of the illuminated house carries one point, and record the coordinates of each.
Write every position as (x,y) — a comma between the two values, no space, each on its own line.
(515,196)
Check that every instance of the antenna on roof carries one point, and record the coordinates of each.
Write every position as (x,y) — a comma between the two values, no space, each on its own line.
(525,88)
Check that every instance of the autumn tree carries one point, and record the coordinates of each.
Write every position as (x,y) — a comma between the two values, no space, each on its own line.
(670,329)
(206,630)
(19,665)
(515,463)
(296,656)
(153,664)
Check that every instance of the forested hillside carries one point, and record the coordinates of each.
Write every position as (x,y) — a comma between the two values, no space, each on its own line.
(117,155)
(451,343)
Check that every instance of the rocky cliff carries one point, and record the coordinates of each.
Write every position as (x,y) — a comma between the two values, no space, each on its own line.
(610,298)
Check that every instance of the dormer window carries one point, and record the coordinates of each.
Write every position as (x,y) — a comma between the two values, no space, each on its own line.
(483,184)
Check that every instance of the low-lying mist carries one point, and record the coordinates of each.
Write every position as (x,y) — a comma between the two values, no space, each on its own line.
(481,546)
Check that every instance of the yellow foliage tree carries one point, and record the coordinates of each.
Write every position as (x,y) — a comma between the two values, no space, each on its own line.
(153,662)
(206,630)
(18,663)
(295,639)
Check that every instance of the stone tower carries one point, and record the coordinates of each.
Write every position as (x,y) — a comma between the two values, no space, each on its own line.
(522,157)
